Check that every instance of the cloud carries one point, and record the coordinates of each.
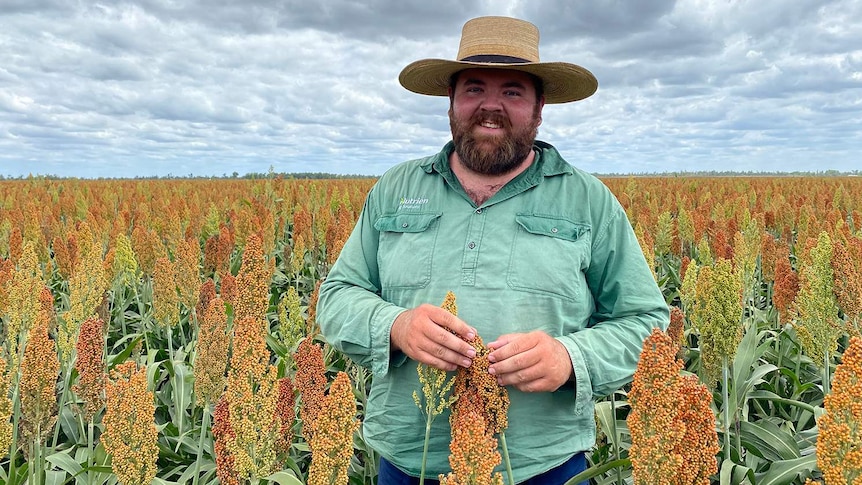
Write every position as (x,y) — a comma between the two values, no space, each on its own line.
(150,88)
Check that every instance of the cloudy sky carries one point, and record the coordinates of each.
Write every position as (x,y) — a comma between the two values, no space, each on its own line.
(212,87)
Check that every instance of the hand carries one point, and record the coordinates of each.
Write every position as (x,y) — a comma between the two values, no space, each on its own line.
(532,362)
(423,333)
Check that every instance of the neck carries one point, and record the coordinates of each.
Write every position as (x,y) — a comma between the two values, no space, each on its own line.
(481,187)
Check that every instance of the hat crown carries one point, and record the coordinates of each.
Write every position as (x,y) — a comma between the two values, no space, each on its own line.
(499,36)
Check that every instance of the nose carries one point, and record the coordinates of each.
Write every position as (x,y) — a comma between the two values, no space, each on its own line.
(492,102)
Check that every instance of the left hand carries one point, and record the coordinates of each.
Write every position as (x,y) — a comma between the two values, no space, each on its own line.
(532,362)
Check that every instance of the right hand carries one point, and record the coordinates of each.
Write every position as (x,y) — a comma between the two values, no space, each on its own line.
(423,333)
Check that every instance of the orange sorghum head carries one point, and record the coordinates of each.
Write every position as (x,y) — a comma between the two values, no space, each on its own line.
(22,305)
(252,391)
(223,434)
(473,449)
(5,402)
(311,381)
(338,231)
(311,323)
(285,413)
(90,364)
(847,280)
(676,329)
(253,281)
(837,442)
(654,396)
(166,300)
(786,284)
(130,435)
(147,248)
(332,441)
(208,293)
(227,289)
(213,343)
(187,262)
(699,444)
(39,370)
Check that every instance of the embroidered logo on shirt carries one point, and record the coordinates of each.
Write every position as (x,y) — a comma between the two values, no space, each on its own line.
(411,203)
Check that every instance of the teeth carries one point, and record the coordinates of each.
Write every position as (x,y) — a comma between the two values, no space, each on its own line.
(489,124)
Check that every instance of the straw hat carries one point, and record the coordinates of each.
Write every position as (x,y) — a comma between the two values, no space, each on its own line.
(501,43)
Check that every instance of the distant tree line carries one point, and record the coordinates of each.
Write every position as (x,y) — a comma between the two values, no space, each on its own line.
(325,175)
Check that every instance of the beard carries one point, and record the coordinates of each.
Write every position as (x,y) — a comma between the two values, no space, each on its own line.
(492,155)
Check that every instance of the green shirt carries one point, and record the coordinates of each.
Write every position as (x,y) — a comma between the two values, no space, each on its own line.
(552,250)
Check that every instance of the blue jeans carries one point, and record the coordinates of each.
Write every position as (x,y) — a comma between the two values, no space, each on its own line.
(389,474)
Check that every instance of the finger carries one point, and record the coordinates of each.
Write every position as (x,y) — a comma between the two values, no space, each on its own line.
(516,363)
(454,324)
(527,379)
(443,344)
(507,346)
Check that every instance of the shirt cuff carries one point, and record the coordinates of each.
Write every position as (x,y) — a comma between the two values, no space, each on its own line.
(381,355)
(583,384)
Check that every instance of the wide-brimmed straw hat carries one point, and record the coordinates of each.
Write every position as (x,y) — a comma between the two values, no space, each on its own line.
(501,43)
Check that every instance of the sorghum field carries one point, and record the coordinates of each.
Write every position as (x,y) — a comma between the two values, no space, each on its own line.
(162,331)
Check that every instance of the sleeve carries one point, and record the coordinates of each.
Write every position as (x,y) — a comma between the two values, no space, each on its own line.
(628,305)
(352,316)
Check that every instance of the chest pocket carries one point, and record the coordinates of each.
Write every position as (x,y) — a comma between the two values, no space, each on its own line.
(549,255)
(406,249)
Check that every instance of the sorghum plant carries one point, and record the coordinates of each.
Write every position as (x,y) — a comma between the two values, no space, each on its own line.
(671,422)
(331,442)
(839,443)
(130,435)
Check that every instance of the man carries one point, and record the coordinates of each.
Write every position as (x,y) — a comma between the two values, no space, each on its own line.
(540,255)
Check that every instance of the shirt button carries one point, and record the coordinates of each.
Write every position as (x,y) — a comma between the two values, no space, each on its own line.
(478,211)
(471,245)
(405,225)
(554,230)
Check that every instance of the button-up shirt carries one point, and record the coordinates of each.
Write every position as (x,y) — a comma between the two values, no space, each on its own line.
(552,250)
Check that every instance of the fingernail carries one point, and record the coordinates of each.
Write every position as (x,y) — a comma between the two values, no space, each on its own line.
(491,371)
(466,363)
(471,335)
(471,353)
(491,358)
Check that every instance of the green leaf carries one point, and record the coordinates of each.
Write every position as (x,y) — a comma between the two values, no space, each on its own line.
(284,478)
(597,470)
(123,356)
(766,440)
(65,462)
(734,474)
(786,471)
(771,396)
(54,477)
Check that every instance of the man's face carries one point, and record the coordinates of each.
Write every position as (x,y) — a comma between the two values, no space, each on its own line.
(494,116)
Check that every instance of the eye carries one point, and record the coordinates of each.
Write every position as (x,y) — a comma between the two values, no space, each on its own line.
(512,93)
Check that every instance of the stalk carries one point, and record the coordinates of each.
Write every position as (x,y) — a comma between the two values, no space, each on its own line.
(92,451)
(826,384)
(725,397)
(428,419)
(16,419)
(204,425)
(506,457)
(614,431)
(64,396)
(180,412)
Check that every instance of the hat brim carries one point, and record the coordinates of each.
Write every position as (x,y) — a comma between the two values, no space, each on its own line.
(563,82)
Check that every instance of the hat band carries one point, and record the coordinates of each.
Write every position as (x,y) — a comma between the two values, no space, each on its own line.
(495,59)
